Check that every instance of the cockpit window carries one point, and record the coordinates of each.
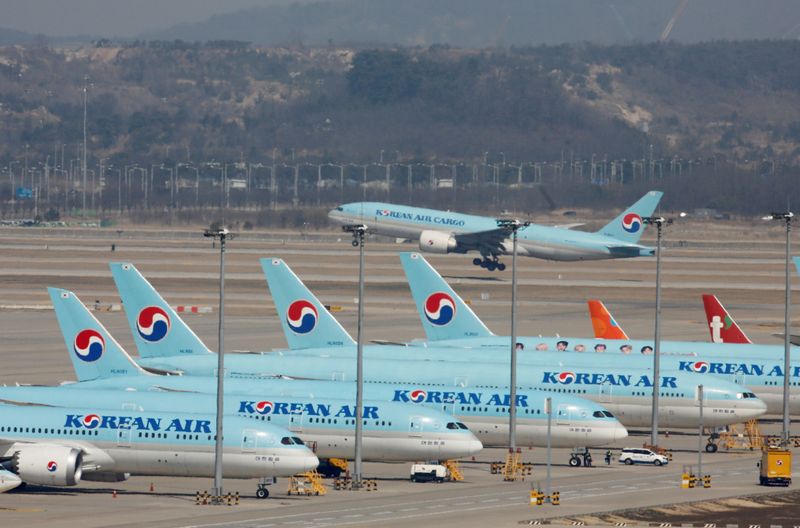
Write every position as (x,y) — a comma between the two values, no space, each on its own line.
(452,425)
(598,414)
(297,440)
(286,440)
(340,208)
(608,414)
(461,426)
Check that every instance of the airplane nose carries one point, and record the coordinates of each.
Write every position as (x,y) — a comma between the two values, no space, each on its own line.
(620,432)
(474,446)
(754,409)
(310,463)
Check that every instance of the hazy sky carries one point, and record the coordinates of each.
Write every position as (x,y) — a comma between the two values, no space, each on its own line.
(123,18)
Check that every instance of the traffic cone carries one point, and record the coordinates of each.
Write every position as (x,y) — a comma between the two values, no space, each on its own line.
(113,494)
(152,487)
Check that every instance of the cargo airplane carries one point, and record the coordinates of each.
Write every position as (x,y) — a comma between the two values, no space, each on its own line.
(448,232)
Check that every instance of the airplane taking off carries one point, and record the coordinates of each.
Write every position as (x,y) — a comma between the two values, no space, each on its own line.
(449,322)
(447,232)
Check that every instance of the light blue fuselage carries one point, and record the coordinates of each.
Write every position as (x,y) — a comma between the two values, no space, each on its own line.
(580,422)
(534,241)
(325,423)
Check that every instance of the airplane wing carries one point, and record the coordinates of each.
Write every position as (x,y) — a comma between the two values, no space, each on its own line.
(569,226)
(489,242)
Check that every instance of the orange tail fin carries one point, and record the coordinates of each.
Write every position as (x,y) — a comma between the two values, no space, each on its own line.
(605,327)
(720,323)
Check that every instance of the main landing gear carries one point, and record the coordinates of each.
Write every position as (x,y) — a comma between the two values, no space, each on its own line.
(490,264)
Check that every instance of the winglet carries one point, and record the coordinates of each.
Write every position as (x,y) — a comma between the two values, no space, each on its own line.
(93,351)
(157,329)
(305,321)
(604,324)
(720,323)
(443,313)
(628,226)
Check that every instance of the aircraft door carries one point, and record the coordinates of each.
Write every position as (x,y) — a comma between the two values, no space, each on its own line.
(249,439)
(605,392)
(739,378)
(449,405)
(415,426)
(124,437)
(296,422)
(563,414)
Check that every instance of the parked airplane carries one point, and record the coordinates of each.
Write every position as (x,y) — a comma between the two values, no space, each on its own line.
(460,327)
(447,232)
(325,422)
(8,480)
(603,323)
(578,421)
(721,324)
(54,446)
(625,392)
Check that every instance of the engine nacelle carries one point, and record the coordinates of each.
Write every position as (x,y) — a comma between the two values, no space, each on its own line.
(48,465)
(437,242)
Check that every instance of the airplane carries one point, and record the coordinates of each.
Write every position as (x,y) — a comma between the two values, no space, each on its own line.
(578,421)
(721,324)
(603,323)
(462,328)
(448,232)
(324,422)
(8,481)
(624,392)
(60,446)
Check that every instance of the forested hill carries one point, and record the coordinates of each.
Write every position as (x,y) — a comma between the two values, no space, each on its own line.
(230,100)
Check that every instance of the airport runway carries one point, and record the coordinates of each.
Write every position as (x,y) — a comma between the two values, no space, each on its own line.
(740,264)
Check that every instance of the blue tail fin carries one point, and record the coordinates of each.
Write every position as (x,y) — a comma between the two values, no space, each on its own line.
(305,321)
(444,314)
(94,353)
(628,226)
(157,329)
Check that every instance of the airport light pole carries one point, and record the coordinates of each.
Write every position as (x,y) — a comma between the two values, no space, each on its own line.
(513,225)
(659,222)
(222,234)
(787,218)
(548,408)
(700,433)
(359,231)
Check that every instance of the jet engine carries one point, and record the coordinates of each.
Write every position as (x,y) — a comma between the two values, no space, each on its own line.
(48,465)
(437,242)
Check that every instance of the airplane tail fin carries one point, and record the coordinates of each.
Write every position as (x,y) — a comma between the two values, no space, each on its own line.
(444,314)
(628,226)
(720,323)
(305,321)
(93,351)
(157,329)
(604,324)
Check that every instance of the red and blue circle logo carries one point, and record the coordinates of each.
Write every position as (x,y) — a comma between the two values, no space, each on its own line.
(565,378)
(700,366)
(418,396)
(301,316)
(440,308)
(153,324)
(90,421)
(52,466)
(89,345)
(631,222)
(264,407)
(384,212)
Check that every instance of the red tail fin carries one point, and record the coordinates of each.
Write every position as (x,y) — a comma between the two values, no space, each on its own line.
(720,323)
(605,327)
